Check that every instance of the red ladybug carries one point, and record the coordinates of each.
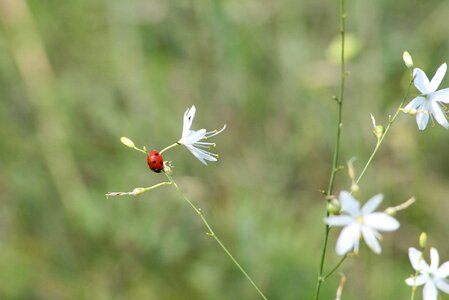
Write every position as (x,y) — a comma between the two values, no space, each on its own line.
(155,161)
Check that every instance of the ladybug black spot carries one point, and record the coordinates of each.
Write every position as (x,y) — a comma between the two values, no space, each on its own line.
(154,161)
(161,163)
(156,154)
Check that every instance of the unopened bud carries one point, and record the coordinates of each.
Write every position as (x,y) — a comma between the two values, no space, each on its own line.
(355,189)
(412,111)
(127,142)
(351,171)
(423,240)
(407,59)
(333,207)
(137,191)
(379,131)
(373,120)
(391,211)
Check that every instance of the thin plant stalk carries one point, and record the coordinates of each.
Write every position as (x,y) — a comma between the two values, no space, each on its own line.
(391,120)
(212,234)
(168,147)
(335,268)
(412,296)
(320,279)
(381,139)
(137,191)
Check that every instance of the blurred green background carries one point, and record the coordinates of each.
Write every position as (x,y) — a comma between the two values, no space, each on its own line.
(77,75)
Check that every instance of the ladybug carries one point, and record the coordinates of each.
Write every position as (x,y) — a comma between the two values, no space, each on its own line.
(155,161)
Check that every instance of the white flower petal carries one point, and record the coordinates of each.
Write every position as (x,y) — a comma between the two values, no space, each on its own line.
(192,136)
(349,204)
(381,221)
(415,103)
(205,154)
(434,259)
(430,291)
(443,270)
(441,96)
(414,255)
(188,119)
(339,220)
(421,81)
(443,285)
(372,204)
(418,280)
(438,77)
(417,260)
(438,114)
(348,238)
(422,118)
(195,153)
(371,240)
(201,154)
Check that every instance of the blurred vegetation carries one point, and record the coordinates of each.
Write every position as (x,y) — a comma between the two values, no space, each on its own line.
(77,75)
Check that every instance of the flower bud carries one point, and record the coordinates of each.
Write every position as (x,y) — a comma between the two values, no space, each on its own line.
(137,191)
(351,171)
(407,59)
(127,142)
(379,131)
(355,189)
(423,240)
(412,111)
(333,207)
(391,211)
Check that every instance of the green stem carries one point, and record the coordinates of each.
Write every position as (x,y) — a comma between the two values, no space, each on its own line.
(412,296)
(335,268)
(211,233)
(155,186)
(168,147)
(140,150)
(320,279)
(380,140)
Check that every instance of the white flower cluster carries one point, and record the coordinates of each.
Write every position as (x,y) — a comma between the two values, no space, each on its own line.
(363,222)
(432,276)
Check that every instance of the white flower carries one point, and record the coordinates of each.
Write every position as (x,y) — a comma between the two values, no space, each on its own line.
(360,223)
(192,139)
(433,277)
(429,103)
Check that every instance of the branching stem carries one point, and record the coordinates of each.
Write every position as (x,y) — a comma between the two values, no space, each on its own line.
(381,138)
(320,279)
